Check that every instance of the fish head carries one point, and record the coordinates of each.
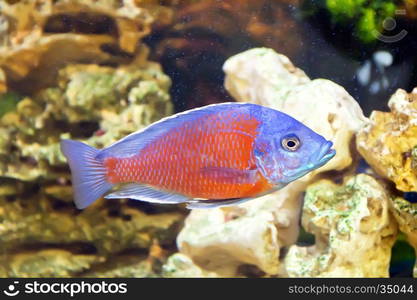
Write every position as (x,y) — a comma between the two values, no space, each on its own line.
(289,150)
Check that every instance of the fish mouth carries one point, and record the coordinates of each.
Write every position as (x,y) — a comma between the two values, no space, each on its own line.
(326,153)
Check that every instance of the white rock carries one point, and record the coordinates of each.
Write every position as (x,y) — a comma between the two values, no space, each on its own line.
(353,227)
(221,239)
(261,76)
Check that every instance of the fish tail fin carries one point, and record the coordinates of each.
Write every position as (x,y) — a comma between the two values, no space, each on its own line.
(88,173)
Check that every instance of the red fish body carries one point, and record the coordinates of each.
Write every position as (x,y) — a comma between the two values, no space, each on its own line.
(198,160)
(213,156)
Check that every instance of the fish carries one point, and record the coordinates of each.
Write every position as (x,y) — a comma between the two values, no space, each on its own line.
(217,155)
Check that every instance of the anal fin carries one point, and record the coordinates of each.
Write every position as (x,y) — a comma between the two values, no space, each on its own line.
(148,194)
(141,192)
(204,204)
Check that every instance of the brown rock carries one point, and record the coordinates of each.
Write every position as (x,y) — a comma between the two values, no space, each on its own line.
(388,141)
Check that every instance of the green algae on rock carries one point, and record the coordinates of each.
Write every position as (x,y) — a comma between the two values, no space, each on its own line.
(26,223)
(353,227)
(99,104)
(95,103)
(179,265)
(133,266)
(8,102)
(46,263)
(85,75)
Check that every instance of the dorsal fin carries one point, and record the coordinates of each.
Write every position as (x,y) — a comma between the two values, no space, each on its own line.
(134,142)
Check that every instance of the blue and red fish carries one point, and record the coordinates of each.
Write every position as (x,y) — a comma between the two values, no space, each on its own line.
(212,156)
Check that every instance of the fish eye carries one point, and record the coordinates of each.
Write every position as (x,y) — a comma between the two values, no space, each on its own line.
(290,143)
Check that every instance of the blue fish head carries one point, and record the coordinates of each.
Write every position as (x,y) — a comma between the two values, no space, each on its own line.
(286,149)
